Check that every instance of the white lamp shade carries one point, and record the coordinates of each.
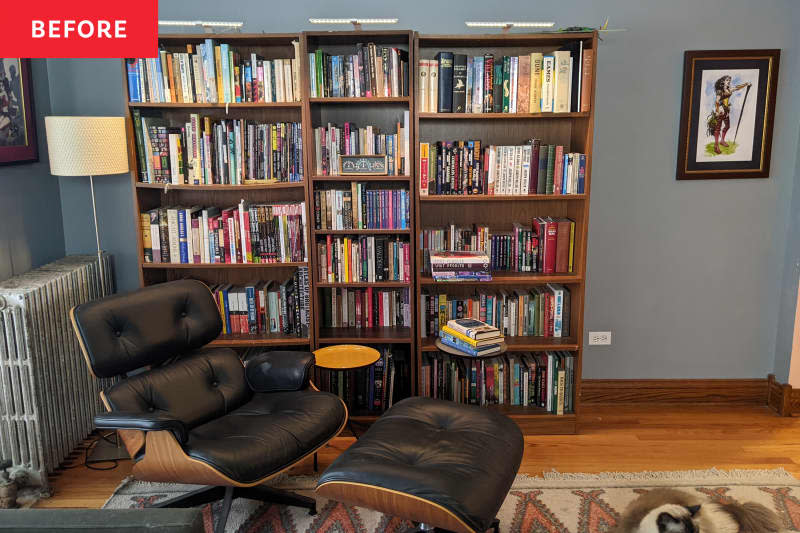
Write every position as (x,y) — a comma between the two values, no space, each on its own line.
(86,146)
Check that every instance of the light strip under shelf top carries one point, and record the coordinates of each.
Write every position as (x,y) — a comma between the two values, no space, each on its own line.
(473,24)
(352,21)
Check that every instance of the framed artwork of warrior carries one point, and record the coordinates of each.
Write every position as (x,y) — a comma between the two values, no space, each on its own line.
(727,113)
(17,121)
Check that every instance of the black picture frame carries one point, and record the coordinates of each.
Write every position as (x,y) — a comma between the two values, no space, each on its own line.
(18,143)
(727,114)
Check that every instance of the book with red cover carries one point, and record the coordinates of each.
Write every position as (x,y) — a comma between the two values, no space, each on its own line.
(558,171)
(550,246)
(562,244)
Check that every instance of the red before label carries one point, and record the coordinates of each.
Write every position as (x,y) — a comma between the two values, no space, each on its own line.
(80,28)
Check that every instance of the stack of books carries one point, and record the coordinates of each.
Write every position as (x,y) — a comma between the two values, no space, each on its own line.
(460,266)
(472,337)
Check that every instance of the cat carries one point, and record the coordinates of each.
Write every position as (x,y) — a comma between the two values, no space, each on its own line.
(673,511)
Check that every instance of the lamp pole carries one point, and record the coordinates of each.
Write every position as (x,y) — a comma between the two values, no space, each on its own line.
(97,239)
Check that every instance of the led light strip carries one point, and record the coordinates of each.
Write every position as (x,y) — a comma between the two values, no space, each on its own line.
(473,24)
(352,21)
(205,23)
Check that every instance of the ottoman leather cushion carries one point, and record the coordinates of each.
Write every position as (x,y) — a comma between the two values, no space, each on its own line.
(463,458)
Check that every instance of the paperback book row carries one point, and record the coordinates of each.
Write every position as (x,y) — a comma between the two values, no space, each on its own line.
(262,307)
(244,233)
(542,311)
(362,206)
(363,259)
(371,71)
(212,73)
(559,82)
(333,141)
(537,379)
(472,337)
(204,151)
(466,167)
(460,266)
(365,308)
(373,389)
(547,245)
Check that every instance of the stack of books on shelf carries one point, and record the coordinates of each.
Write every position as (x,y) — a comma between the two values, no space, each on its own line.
(472,337)
(540,379)
(371,71)
(333,141)
(370,390)
(263,307)
(532,83)
(542,311)
(365,308)
(460,266)
(244,233)
(363,259)
(212,73)
(546,246)
(467,167)
(362,206)
(205,151)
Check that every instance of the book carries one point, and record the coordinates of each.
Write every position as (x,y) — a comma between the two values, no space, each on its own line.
(367,71)
(423,91)
(548,81)
(535,92)
(368,307)
(586,79)
(474,329)
(524,84)
(462,346)
(331,141)
(475,344)
(445,78)
(459,83)
(562,81)
(363,259)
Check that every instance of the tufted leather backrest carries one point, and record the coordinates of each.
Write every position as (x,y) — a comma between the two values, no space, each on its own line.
(201,386)
(124,332)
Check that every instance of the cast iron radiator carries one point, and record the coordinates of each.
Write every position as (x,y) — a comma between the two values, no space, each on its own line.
(48,398)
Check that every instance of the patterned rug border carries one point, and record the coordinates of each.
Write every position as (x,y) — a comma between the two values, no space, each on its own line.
(567,480)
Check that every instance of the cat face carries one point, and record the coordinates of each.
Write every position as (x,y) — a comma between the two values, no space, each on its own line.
(669,518)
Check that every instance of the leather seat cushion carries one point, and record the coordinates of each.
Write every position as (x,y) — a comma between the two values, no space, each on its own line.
(461,457)
(267,434)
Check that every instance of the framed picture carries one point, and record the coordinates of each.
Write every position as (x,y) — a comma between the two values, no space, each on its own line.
(363,165)
(17,121)
(727,113)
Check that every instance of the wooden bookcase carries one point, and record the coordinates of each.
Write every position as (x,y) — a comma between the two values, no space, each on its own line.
(384,113)
(148,196)
(572,130)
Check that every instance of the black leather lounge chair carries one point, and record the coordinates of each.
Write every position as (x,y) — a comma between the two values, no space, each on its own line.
(196,415)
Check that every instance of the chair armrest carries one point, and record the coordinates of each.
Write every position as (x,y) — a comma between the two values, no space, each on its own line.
(142,421)
(279,371)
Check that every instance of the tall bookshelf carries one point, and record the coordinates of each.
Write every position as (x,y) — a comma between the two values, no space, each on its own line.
(384,113)
(573,131)
(148,196)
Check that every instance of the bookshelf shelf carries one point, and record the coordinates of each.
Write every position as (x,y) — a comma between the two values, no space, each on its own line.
(507,278)
(263,339)
(231,105)
(362,231)
(256,187)
(519,344)
(500,116)
(502,198)
(356,284)
(362,100)
(167,266)
(383,335)
(361,178)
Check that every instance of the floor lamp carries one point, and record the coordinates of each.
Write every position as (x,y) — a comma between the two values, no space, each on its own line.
(87,146)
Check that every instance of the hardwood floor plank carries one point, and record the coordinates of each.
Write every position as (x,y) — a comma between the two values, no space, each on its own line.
(623,438)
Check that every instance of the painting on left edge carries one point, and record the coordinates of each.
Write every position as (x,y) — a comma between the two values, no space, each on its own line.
(17,121)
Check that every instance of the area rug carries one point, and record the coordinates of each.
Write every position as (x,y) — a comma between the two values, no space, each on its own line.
(554,503)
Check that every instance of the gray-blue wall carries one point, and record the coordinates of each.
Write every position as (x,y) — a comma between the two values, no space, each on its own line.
(691,277)
(31,232)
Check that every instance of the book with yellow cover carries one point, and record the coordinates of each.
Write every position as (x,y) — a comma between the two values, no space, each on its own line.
(470,341)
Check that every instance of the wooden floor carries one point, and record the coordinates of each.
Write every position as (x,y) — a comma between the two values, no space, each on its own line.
(618,438)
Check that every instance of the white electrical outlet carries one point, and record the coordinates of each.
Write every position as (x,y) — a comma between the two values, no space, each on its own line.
(599,338)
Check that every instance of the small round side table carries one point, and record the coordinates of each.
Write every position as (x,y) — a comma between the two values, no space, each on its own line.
(343,358)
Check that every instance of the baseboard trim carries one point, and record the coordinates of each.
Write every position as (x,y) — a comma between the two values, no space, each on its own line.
(720,391)
(782,398)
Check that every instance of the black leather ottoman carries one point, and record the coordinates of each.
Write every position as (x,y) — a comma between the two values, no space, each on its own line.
(434,462)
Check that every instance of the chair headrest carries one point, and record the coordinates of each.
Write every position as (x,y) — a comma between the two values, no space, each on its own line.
(124,332)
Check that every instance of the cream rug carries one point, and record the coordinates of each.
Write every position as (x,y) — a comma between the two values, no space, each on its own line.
(554,503)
